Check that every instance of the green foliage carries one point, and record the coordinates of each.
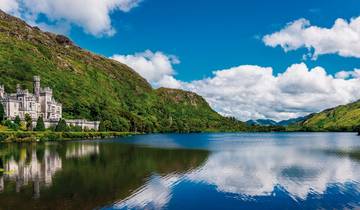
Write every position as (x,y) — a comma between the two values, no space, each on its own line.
(11,125)
(2,112)
(75,128)
(17,120)
(91,177)
(345,118)
(105,125)
(28,121)
(61,126)
(93,87)
(357,129)
(40,125)
(31,136)
(120,124)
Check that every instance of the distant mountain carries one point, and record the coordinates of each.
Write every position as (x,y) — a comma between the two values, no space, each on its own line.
(93,87)
(262,122)
(293,120)
(341,118)
(268,122)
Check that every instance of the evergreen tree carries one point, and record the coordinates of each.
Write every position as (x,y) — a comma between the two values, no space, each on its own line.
(105,125)
(61,126)
(40,125)
(2,112)
(17,120)
(28,121)
(102,126)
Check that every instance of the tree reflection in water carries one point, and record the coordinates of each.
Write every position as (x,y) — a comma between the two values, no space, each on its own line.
(244,171)
(83,175)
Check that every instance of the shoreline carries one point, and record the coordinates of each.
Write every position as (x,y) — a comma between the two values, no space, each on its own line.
(49,136)
(33,136)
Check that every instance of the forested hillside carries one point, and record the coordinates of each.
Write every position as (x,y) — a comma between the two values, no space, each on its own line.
(97,88)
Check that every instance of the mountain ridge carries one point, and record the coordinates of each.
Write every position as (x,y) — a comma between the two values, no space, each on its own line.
(340,118)
(269,122)
(93,87)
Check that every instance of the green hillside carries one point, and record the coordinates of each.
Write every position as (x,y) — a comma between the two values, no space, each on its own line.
(341,118)
(96,88)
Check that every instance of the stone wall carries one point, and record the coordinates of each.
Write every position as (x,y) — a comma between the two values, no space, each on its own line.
(84,124)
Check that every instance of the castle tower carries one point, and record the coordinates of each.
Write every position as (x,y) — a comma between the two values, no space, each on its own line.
(18,88)
(36,86)
(2,91)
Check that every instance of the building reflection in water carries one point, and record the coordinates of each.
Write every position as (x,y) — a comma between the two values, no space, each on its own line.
(1,184)
(32,170)
(82,150)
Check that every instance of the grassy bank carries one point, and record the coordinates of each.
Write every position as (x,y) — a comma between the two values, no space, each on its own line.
(20,136)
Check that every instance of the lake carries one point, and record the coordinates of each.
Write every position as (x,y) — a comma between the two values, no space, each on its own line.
(190,171)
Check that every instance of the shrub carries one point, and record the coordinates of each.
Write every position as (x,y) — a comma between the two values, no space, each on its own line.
(61,126)
(75,128)
(40,125)
(51,136)
(2,112)
(11,125)
(17,120)
(28,121)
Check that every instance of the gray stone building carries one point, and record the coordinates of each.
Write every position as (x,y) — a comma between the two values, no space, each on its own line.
(40,103)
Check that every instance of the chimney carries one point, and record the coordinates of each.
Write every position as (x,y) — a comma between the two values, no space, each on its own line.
(36,86)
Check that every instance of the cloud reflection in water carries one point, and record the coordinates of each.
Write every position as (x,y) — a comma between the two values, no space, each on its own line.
(253,170)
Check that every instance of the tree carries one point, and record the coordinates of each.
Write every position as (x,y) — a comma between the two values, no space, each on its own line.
(2,112)
(102,126)
(40,125)
(17,120)
(28,121)
(105,125)
(61,126)
(120,124)
(357,129)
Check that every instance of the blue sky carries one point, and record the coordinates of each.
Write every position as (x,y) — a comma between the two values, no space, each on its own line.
(212,35)
(250,59)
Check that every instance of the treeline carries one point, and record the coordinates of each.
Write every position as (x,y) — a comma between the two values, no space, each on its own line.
(32,136)
(188,120)
(323,129)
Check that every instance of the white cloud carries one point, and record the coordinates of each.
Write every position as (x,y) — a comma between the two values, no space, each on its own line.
(343,38)
(235,167)
(247,171)
(155,194)
(253,92)
(91,15)
(9,6)
(156,67)
(169,82)
(348,74)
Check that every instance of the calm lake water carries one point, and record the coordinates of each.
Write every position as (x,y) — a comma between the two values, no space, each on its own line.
(196,171)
